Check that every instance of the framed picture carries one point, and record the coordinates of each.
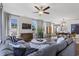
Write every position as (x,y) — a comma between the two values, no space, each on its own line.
(26,26)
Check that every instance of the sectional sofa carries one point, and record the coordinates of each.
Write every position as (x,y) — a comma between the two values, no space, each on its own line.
(65,48)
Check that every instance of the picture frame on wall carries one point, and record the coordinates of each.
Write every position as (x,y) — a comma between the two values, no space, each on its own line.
(26,26)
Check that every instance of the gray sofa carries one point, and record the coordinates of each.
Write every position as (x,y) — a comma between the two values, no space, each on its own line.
(69,50)
(5,49)
(47,51)
(65,48)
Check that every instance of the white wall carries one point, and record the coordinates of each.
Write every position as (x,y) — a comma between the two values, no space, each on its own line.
(24,20)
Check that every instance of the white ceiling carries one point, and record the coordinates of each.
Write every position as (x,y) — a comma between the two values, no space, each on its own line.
(57,10)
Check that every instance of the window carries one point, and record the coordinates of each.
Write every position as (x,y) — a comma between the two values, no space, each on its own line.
(12,25)
(34,25)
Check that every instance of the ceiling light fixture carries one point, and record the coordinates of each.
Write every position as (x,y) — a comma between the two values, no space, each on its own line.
(40,12)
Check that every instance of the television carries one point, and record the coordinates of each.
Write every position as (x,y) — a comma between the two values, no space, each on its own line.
(26,26)
(75,28)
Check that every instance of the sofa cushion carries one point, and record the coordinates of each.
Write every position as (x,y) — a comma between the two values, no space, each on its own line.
(69,51)
(19,51)
(30,50)
(62,45)
(47,51)
(69,41)
(59,40)
(5,49)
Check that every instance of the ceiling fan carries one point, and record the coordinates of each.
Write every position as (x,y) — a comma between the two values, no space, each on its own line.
(42,10)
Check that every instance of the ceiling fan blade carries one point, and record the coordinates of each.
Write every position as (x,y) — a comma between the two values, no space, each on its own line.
(35,12)
(46,8)
(46,12)
(36,7)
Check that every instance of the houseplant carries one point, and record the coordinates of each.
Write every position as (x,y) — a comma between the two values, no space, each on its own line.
(40,34)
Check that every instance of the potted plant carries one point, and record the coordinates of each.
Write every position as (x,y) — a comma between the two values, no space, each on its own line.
(40,33)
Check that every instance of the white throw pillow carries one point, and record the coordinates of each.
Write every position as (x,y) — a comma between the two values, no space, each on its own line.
(60,40)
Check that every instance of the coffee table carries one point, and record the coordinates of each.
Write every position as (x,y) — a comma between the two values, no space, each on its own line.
(40,45)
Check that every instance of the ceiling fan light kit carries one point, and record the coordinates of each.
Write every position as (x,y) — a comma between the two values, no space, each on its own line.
(42,10)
